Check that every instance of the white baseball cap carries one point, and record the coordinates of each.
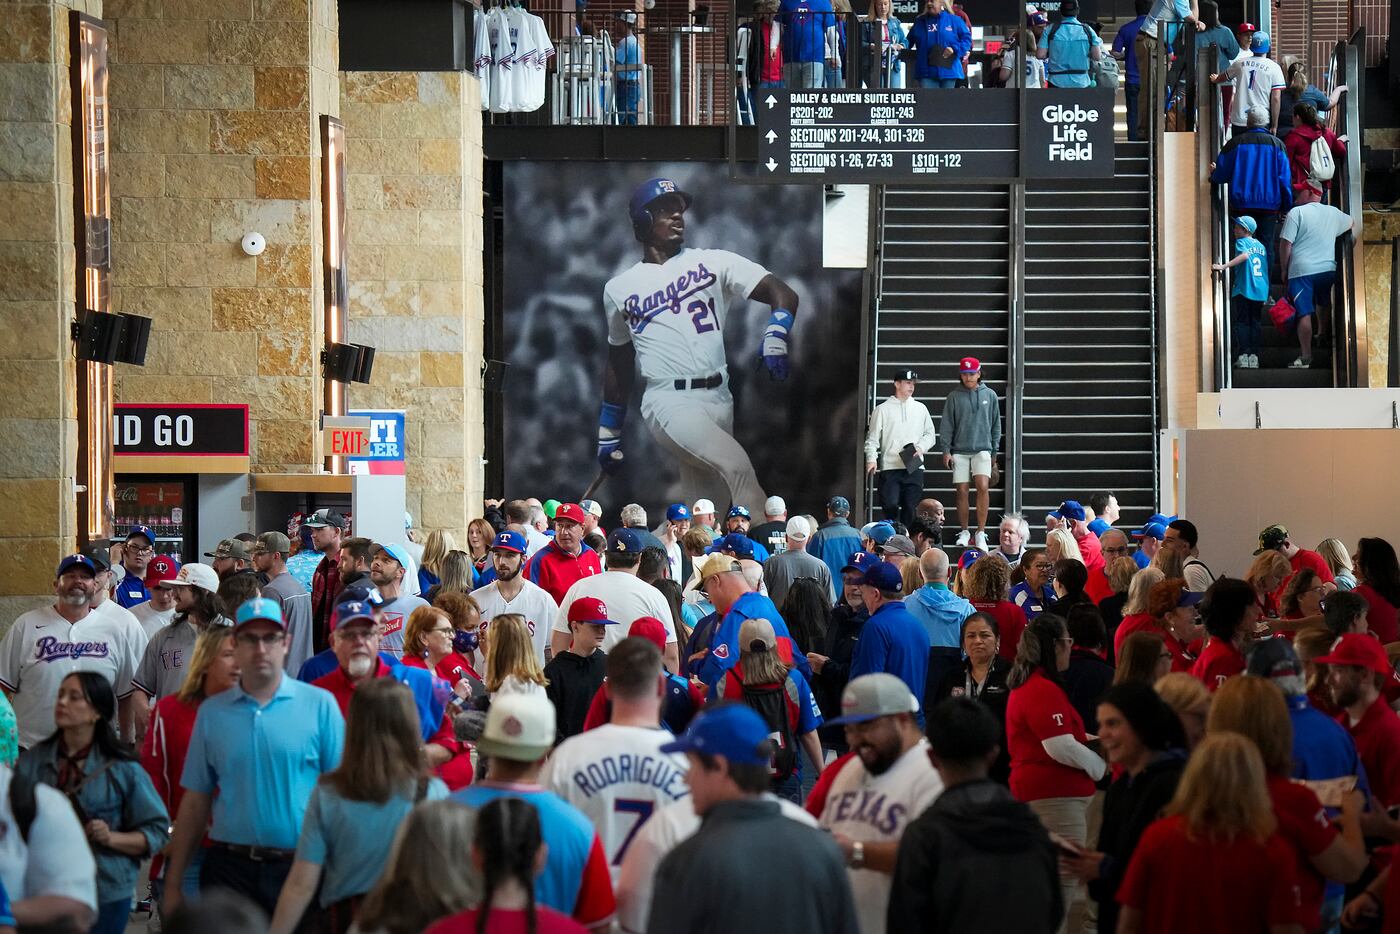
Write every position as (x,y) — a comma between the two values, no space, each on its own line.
(799,529)
(195,575)
(520,727)
(591,507)
(702,507)
(774,506)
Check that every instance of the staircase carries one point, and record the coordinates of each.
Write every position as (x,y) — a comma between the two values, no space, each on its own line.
(1088,420)
(944,290)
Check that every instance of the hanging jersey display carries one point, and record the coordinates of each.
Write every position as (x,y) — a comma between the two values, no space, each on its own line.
(511,57)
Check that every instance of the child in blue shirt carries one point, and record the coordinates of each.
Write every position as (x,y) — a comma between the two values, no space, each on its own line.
(1250,291)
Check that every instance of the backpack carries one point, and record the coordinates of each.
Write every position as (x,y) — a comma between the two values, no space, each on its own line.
(771,702)
(1104,72)
(1320,164)
(1088,35)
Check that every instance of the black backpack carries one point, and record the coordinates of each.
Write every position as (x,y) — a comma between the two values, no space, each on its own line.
(771,703)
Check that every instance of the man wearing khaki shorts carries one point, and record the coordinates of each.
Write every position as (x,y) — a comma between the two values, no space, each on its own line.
(969,437)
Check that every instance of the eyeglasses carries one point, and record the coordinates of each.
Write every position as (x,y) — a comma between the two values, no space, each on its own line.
(140,549)
(449,630)
(253,642)
(1047,566)
(1065,640)
(1117,550)
(357,635)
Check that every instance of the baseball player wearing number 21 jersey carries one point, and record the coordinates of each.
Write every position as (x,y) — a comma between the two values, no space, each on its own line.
(666,317)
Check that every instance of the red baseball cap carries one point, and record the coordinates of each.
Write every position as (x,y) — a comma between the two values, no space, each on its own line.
(1360,649)
(1247,27)
(161,568)
(969,365)
(571,512)
(590,610)
(651,629)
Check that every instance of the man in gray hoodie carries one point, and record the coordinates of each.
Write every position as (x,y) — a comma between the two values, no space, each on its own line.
(969,440)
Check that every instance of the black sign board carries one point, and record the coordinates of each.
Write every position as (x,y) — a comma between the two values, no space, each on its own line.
(1069,134)
(180,430)
(885,135)
(931,136)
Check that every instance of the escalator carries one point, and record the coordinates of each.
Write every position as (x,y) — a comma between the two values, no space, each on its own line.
(1341,360)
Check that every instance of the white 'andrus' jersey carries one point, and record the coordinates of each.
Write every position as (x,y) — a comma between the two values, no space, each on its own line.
(876,809)
(674,312)
(617,775)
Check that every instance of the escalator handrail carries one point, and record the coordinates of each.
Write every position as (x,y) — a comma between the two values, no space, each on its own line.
(1210,139)
(1351,350)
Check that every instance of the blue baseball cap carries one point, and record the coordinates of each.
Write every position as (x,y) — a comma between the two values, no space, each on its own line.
(1190,598)
(351,611)
(970,556)
(76,561)
(397,552)
(740,545)
(677,512)
(738,511)
(144,531)
(259,608)
(1151,530)
(624,542)
(509,540)
(839,506)
(860,560)
(1098,527)
(730,730)
(882,576)
(1070,509)
(1259,43)
(1249,224)
(881,532)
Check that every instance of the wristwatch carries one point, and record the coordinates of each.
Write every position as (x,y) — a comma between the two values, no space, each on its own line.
(857,855)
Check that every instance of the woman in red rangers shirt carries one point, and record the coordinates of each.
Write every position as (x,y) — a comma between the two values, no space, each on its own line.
(1052,769)
(1214,864)
(1231,612)
(1255,708)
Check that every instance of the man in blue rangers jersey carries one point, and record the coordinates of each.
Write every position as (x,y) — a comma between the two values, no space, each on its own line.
(666,317)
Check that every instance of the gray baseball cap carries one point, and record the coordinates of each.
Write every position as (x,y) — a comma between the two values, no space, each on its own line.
(876,695)
(899,545)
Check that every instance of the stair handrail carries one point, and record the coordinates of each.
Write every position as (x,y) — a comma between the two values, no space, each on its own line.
(1350,337)
(1215,289)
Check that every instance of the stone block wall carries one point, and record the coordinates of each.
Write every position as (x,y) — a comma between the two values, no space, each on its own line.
(414,164)
(37,291)
(216,134)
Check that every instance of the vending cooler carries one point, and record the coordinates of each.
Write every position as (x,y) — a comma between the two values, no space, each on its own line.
(165,504)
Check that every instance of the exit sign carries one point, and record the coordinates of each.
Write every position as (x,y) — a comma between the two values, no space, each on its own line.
(345,436)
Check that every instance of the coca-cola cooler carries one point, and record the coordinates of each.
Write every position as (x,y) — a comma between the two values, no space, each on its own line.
(165,504)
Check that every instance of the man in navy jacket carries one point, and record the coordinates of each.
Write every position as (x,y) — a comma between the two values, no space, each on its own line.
(1255,166)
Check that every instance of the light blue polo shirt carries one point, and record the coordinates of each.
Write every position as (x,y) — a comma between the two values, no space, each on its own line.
(263,761)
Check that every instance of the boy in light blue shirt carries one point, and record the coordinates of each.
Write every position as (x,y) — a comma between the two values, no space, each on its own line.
(1249,292)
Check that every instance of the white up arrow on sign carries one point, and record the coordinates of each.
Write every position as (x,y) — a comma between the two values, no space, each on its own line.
(770,137)
(771,101)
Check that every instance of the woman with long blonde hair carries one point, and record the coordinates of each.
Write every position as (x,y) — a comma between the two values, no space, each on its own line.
(512,667)
(426,877)
(1136,616)
(455,575)
(1268,572)
(1060,544)
(1171,564)
(1219,830)
(439,543)
(353,809)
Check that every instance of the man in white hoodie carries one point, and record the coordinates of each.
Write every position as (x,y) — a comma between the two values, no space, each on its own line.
(901,431)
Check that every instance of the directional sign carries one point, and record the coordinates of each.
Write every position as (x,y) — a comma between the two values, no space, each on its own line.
(887,135)
(933,136)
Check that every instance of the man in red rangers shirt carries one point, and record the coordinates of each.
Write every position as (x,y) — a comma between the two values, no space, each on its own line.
(1230,612)
(1357,668)
(1072,514)
(566,559)
(356,645)
(1275,538)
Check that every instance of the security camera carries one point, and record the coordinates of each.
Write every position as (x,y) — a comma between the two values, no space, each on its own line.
(254,244)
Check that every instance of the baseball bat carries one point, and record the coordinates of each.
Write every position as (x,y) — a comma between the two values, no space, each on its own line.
(593,487)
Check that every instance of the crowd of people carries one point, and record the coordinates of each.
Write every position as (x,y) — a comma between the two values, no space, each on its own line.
(794,725)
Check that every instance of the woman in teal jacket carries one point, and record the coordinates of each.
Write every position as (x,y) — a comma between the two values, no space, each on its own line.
(121,813)
(939,39)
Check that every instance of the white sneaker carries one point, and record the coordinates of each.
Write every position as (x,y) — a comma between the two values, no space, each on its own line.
(981,540)
(1243,361)
(963,538)
(1300,363)
(1254,361)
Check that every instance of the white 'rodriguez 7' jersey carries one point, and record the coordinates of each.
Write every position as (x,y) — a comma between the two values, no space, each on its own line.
(617,775)
(674,312)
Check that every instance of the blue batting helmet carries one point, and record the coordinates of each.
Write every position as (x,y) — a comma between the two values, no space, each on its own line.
(647,192)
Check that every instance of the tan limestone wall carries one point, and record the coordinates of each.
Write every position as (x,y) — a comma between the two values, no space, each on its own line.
(37,287)
(414,163)
(215,133)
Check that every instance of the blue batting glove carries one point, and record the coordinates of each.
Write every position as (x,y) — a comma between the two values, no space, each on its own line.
(610,419)
(774,348)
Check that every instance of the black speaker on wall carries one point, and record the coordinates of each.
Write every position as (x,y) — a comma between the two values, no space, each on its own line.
(135,334)
(97,335)
(349,363)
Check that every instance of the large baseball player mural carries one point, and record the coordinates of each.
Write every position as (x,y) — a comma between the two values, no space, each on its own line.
(745,378)
(666,318)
